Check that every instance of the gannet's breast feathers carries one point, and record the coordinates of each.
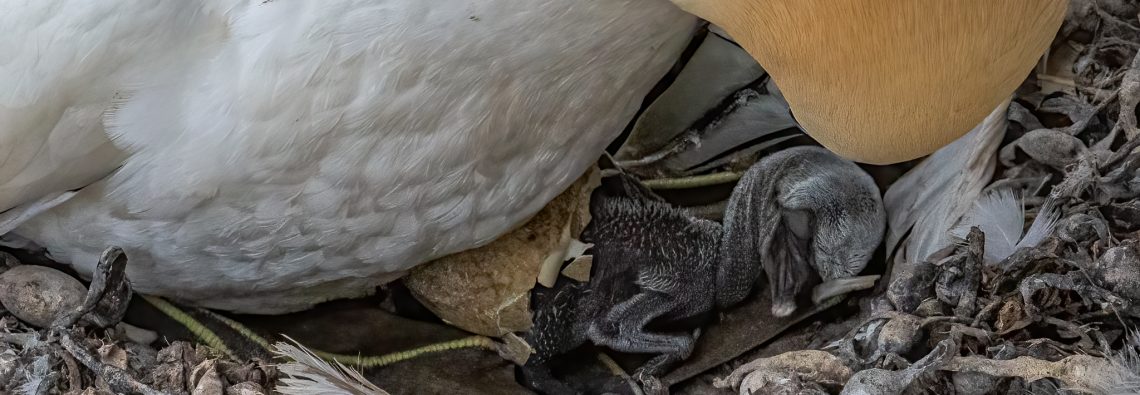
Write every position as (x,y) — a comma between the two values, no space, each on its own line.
(65,63)
(330,144)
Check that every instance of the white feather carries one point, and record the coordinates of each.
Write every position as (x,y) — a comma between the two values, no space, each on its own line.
(308,374)
(1042,226)
(1001,216)
(313,149)
(1122,377)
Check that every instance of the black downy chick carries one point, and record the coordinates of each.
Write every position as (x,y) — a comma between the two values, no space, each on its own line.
(798,209)
(652,263)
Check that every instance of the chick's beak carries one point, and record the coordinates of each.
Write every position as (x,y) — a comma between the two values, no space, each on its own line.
(841,286)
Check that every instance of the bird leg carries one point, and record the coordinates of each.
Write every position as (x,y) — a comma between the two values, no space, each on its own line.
(623,329)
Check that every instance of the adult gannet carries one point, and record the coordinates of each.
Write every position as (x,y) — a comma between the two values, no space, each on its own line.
(264,155)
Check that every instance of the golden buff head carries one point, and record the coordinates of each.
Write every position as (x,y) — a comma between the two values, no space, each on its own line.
(889,81)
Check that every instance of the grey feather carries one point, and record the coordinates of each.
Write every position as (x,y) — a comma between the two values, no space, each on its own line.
(35,375)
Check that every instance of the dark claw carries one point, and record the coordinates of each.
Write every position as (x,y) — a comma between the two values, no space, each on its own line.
(114,291)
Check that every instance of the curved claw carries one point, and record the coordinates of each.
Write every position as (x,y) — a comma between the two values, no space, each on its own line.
(842,286)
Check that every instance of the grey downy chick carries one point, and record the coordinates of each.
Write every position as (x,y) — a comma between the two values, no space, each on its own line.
(799,209)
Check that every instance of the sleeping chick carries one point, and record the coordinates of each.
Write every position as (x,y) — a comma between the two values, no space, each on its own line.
(656,266)
(653,263)
(800,205)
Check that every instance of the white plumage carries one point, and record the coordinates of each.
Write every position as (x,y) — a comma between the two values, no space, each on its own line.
(264,155)
(1000,215)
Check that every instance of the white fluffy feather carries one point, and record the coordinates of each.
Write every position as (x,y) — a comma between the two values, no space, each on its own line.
(1123,375)
(308,374)
(1001,216)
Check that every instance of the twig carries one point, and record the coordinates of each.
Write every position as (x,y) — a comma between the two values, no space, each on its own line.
(19,339)
(364,361)
(1072,370)
(694,181)
(618,371)
(74,382)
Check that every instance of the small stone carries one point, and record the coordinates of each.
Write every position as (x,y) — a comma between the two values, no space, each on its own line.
(1118,270)
(930,308)
(899,334)
(38,294)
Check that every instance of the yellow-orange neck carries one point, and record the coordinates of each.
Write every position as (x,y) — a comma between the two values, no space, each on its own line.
(886,81)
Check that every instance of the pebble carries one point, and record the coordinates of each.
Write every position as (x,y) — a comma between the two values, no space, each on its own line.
(38,294)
